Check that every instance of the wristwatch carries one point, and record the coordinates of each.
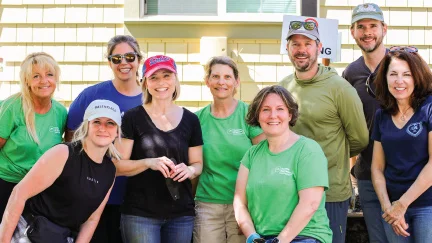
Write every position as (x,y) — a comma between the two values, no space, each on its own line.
(275,240)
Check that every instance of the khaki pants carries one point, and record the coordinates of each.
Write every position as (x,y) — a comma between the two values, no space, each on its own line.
(215,223)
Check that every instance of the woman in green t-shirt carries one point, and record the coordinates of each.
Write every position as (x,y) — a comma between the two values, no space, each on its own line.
(280,186)
(226,138)
(31,121)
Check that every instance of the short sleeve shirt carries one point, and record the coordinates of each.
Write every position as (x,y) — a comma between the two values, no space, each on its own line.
(20,152)
(226,140)
(405,150)
(147,194)
(275,180)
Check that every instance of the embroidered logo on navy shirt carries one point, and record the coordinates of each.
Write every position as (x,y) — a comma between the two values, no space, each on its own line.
(414,129)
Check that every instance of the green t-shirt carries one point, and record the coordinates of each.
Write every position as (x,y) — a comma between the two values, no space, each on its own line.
(225,142)
(20,152)
(275,180)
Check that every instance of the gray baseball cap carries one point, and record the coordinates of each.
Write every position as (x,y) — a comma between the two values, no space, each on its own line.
(311,34)
(367,11)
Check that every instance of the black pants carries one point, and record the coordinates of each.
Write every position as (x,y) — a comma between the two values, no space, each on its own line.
(5,192)
(108,229)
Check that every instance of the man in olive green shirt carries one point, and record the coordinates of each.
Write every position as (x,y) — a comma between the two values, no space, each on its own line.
(331,113)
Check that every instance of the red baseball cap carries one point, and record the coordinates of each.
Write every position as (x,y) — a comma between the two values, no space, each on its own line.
(155,63)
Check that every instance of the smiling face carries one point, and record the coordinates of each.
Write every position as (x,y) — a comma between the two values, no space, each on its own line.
(303,52)
(124,71)
(399,80)
(161,85)
(222,82)
(42,82)
(274,116)
(368,34)
(102,131)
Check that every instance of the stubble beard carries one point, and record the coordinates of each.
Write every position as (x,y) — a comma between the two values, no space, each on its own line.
(307,65)
(370,49)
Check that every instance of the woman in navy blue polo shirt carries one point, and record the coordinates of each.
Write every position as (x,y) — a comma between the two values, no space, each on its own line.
(401,165)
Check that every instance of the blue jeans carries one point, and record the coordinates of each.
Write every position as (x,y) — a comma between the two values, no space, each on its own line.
(136,229)
(371,212)
(419,221)
(298,239)
(337,213)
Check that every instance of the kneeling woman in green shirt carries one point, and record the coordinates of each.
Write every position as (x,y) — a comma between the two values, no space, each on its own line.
(280,186)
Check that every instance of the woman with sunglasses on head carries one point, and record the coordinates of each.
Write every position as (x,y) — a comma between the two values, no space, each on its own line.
(31,121)
(279,194)
(67,202)
(124,57)
(402,161)
(162,152)
(226,139)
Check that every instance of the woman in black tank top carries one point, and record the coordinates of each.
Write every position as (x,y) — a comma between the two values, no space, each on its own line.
(69,185)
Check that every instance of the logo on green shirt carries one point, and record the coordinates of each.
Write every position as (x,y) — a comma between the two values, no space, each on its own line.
(235,131)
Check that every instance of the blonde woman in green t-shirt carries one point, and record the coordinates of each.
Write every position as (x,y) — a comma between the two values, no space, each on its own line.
(279,195)
(226,138)
(31,121)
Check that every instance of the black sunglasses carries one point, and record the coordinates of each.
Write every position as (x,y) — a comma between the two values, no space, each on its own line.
(369,89)
(117,58)
(410,49)
(298,24)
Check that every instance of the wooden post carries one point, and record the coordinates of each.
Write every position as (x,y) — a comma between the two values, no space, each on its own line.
(326,61)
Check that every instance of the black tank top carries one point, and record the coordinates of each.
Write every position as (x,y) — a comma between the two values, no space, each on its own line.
(77,192)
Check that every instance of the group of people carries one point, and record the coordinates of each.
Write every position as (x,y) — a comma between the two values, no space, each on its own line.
(136,167)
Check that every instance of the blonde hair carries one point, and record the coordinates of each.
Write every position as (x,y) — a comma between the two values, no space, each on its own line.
(81,134)
(147,97)
(43,61)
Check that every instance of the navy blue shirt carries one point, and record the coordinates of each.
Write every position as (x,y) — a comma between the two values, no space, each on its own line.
(104,90)
(406,151)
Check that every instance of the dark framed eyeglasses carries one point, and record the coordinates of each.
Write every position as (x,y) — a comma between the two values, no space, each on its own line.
(369,89)
(117,58)
(410,49)
(259,240)
(306,25)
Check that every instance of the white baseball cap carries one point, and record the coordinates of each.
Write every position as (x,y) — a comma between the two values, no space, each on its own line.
(103,108)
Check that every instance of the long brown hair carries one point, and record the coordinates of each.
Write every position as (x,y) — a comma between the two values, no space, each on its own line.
(421,75)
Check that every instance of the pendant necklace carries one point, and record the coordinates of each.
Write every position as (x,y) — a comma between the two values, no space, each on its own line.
(403,117)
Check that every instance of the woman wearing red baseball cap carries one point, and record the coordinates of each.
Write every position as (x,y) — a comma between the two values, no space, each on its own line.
(165,142)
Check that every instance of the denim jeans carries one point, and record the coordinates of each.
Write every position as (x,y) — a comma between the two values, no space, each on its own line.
(337,213)
(371,212)
(297,239)
(419,221)
(136,229)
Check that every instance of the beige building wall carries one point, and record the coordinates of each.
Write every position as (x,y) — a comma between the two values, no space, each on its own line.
(75,33)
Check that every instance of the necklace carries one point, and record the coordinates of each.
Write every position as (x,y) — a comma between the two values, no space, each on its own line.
(403,117)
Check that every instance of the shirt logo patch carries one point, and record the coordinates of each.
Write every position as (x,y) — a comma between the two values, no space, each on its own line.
(54,130)
(235,131)
(283,171)
(414,129)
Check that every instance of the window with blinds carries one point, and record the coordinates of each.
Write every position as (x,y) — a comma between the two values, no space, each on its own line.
(261,6)
(182,7)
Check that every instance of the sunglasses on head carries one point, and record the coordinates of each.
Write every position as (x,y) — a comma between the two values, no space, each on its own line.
(306,25)
(117,58)
(369,90)
(410,49)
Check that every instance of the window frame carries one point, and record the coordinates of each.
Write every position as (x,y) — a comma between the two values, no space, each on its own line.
(222,15)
